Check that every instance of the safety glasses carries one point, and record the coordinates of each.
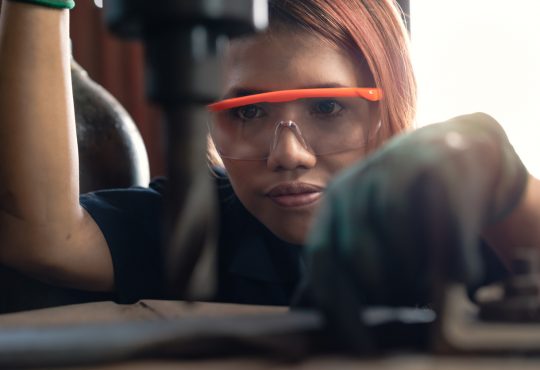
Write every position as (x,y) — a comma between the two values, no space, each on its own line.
(368,93)
(323,121)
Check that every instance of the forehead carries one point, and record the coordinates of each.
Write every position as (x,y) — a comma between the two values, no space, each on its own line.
(288,60)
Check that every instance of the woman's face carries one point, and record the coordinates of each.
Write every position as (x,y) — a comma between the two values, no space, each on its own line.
(285,190)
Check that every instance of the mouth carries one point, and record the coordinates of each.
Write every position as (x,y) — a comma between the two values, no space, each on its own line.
(295,194)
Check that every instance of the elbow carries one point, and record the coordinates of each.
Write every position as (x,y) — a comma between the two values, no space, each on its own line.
(28,247)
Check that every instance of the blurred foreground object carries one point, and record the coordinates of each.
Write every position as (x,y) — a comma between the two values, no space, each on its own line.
(182,41)
(402,225)
(520,298)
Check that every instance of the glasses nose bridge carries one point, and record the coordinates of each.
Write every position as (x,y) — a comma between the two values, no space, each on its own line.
(283,126)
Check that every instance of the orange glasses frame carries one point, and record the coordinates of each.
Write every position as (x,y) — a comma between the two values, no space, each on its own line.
(281,96)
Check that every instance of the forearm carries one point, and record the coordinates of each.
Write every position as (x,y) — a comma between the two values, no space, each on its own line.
(521,228)
(39,168)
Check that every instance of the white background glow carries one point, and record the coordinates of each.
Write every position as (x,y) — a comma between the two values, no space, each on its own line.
(481,55)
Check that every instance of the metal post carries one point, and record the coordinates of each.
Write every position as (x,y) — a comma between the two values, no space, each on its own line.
(182,41)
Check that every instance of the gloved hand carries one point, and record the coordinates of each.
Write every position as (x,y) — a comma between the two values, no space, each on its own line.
(409,216)
(58,4)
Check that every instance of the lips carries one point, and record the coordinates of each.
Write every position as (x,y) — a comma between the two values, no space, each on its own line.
(295,194)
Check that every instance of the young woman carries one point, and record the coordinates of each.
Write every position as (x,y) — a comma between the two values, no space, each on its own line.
(274,178)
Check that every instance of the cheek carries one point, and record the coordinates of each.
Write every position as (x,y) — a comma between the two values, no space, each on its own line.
(344,160)
(243,176)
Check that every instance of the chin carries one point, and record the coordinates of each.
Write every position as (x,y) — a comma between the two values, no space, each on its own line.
(293,235)
(294,239)
(292,226)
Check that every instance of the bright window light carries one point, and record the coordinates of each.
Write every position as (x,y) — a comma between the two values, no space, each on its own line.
(480,55)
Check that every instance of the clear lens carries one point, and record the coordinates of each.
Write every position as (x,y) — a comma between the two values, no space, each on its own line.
(328,125)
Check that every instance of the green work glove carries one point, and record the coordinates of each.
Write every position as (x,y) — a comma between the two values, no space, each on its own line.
(58,4)
(408,217)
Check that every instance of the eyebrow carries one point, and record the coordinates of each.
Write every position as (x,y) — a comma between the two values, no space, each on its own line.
(242,91)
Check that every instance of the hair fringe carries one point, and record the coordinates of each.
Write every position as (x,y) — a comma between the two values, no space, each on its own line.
(374,32)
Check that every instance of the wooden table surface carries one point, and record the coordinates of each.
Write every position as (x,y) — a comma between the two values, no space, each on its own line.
(108,312)
(102,312)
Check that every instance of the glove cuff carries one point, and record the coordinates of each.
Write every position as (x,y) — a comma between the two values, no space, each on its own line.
(511,176)
(513,180)
(57,4)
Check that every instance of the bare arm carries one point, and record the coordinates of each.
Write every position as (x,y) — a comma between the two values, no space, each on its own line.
(43,229)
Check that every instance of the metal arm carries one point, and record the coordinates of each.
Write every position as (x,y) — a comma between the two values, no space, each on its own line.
(182,41)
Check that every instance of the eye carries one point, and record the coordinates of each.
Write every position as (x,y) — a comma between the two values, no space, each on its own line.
(327,107)
(248,112)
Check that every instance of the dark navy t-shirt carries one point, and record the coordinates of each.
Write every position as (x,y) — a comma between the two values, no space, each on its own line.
(255,266)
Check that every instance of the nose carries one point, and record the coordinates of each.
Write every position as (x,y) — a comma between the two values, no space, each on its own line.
(289,150)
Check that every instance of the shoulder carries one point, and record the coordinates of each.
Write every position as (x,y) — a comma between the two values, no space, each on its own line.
(130,221)
(112,205)
(147,201)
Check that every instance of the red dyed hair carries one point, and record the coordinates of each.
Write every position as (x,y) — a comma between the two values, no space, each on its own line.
(375,35)
(373,32)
